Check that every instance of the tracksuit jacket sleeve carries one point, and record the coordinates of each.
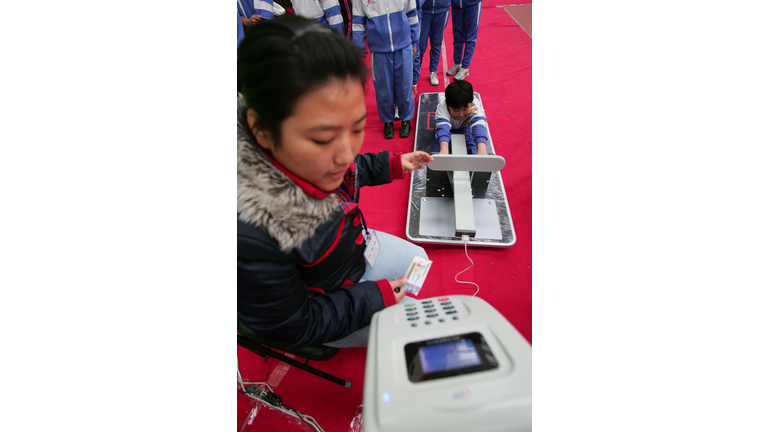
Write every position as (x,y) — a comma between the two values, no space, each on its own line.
(358,24)
(479,123)
(443,122)
(274,301)
(413,20)
(332,12)
(265,8)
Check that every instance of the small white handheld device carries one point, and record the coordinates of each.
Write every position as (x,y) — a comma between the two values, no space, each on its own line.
(450,363)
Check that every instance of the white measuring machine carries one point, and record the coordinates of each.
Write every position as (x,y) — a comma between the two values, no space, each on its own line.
(450,363)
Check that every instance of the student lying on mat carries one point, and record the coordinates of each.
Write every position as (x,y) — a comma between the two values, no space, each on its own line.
(460,112)
(301,276)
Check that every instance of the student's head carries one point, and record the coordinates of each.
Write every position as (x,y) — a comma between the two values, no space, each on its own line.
(458,97)
(303,85)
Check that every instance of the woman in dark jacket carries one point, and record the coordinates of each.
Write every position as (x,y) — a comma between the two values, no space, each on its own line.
(301,237)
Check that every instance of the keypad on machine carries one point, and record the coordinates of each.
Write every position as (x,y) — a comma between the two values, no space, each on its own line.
(430,309)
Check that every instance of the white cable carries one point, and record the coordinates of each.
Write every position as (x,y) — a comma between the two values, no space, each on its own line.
(465,240)
(240,377)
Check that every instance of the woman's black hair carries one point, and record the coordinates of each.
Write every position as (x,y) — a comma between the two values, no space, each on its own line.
(458,94)
(282,59)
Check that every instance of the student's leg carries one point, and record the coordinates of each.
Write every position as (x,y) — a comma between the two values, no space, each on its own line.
(403,82)
(381,70)
(420,54)
(426,26)
(417,67)
(458,34)
(437,33)
(471,27)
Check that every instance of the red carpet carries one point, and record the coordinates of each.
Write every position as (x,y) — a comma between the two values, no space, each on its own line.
(501,73)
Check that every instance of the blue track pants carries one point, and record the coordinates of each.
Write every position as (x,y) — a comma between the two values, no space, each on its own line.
(466,22)
(393,81)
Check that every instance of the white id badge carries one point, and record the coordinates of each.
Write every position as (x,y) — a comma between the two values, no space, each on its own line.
(372,249)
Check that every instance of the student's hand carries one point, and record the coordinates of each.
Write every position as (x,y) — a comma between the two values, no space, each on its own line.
(398,287)
(412,161)
(443,151)
(481,149)
(256,17)
(415,50)
(443,147)
(247,22)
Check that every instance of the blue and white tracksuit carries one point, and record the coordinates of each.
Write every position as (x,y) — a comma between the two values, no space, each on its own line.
(392,28)
(246,8)
(327,12)
(466,22)
(474,126)
(435,19)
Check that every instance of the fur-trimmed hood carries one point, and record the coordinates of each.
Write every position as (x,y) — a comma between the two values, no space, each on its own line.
(267,198)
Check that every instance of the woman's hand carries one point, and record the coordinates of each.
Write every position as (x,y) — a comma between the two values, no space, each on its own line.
(398,286)
(412,161)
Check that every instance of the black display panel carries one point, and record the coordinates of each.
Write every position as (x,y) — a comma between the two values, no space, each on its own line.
(448,356)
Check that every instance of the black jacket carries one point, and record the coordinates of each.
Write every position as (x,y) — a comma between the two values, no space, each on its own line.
(299,257)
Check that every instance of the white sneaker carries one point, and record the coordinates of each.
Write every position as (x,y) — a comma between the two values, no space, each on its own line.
(433,78)
(452,71)
(463,73)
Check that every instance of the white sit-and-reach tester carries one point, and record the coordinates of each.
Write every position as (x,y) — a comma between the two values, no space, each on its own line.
(450,363)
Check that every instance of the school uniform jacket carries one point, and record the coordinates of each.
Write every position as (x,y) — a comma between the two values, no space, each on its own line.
(390,25)
(326,11)
(300,250)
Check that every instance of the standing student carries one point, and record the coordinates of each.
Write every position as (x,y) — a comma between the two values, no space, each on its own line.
(301,234)
(326,12)
(392,28)
(435,19)
(466,22)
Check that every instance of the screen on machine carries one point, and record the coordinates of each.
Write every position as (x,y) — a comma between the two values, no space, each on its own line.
(454,355)
(448,356)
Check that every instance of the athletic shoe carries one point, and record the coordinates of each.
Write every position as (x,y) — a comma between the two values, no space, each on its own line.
(433,78)
(463,73)
(389,130)
(452,71)
(397,115)
(405,129)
